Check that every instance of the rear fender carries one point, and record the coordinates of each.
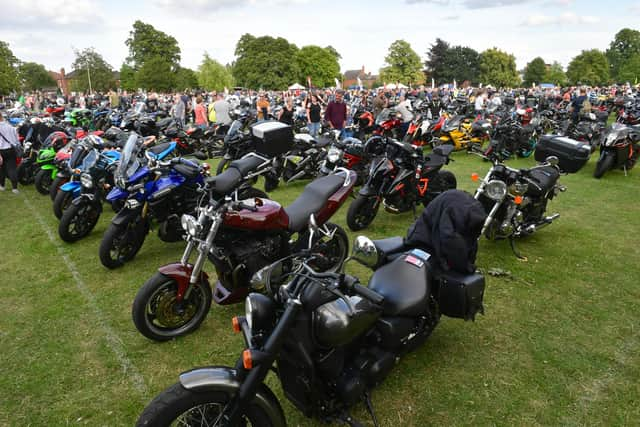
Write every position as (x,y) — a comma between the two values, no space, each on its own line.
(225,379)
(182,274)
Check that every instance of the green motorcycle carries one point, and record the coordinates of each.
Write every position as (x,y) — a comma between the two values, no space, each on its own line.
(49,160)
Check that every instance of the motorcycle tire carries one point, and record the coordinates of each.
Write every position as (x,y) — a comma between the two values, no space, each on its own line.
(604,164)
(155,312)
(223,166)
(62,202)
(362,211)
(121,243)
(55,186)
(178,405)
(43,181)
(270,183)
(25,172)
(333,251)
(78,221)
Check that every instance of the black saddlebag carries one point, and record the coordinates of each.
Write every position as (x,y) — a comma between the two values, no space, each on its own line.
(572,154)
(460,295)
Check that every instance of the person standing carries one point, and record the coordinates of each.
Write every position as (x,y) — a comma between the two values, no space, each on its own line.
(8,143)
(404,108)
(200,113)
(379,104)
(336,112)
(263,107)
(222,109)
(179,110)
(286,114)
(313,116)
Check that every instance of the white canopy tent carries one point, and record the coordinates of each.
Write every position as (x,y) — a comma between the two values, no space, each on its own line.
(296,86)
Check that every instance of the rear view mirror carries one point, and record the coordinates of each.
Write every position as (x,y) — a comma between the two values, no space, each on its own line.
(364,251)
(552,160)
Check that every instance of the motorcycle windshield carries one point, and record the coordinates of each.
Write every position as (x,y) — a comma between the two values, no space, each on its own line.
(383,116)
(129,162)
(233,130)
(77,156)
(89,160)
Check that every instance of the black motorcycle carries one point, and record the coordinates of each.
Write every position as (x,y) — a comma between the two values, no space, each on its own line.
(303,161)
(332,339)
(351,153)
(510,138)
(400,180)
(516,199)
(619,149)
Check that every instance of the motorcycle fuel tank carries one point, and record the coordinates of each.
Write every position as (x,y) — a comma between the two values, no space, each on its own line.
(334,324)
(268,215)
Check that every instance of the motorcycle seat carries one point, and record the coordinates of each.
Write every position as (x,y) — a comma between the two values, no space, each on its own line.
(322,141)
(246,165)
(389,247)
(157,149)
(188,170)
(225,182)
(312,200)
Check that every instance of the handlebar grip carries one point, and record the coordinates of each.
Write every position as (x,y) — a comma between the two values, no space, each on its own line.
(368,293)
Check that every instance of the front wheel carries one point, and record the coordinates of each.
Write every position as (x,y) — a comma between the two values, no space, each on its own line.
(181,407)
(62,202)
(159,316)
(604,164)
(43,181)
(77,221)
(122,242)
(362,211)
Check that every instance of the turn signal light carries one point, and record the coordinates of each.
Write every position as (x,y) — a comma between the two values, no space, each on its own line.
(236,324)
(517,200)
(474,177)
(247,362)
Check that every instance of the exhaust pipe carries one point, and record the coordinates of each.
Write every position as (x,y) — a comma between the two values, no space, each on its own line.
(546,221)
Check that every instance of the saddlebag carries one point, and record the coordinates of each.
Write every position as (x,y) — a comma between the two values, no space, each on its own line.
(572,154)
(460,295)
(272,138)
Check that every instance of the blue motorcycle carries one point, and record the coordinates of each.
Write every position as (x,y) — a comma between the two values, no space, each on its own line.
(152,189)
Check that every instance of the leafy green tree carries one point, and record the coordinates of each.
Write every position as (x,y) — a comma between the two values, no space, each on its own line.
(8,70)
(127,77)
(156,74)
(212,75)
(334,52)
(625,45)
(461,63)
(403,64)
(591,67)
(89,64)
(630,70)
(535,71)
(34,76)
(265,62)
(186,78)
(555,74)
(321,64)
(436,62)
(146,43)
(498,68)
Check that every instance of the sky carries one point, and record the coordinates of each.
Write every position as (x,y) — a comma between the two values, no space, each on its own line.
(48,31)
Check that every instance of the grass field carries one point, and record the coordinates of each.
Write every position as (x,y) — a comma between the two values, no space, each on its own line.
(559,343)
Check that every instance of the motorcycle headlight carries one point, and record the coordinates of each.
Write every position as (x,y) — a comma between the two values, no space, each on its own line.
(495,190)
(27,145)
(260,312)
(190,225)
(334,154)
(86,180)
(611,138)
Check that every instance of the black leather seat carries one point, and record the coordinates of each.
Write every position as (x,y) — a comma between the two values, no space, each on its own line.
(388,247)
(404,287)
(187,169)
(322,141)
(312,199)
(157,149)
(543,178)
(246,165)
(225,182)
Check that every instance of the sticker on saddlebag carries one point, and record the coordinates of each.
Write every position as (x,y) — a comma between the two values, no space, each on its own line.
(415,261)
(424,256)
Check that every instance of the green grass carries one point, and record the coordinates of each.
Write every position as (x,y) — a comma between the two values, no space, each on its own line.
(558,344)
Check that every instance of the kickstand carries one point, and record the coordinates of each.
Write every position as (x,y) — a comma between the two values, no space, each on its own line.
(512,242)
(369,405)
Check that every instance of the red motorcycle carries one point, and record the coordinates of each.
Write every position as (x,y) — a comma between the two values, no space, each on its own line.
(240,238)
(388,123)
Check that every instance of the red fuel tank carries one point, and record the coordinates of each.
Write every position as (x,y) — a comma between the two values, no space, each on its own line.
(269,216)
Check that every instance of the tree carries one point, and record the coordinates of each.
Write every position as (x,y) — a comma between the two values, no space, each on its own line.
(8,70)
(321,64)
(34,76)
(591,67)
(156,74)
(186,78)
(265,62)
(403,64)
(535,71)
(630,70)
(127,77)
(435,63)
(625,45)
(89,64)
(498,68)
(146,43)
(212,75)
(555,74)
(334,52)
(461,63)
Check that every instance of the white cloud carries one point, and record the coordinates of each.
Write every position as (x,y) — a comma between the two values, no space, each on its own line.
(568,18)
(51,13)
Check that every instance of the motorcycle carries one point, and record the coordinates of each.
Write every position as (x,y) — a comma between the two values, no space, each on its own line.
(619,149)
(464,134)
(239,238)
(151,188)
(352,154)
(303,161)
(55,149)
(401,179)
(510,138)
(332,339)
(516,199)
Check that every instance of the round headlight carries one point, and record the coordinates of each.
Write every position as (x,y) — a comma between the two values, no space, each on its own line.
(260,312)
(190,224)
(495,190)
(86,180)
(334,155)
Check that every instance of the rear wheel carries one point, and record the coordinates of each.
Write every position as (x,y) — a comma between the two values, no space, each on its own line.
(78,221)
(362,211)
(271,182)
(604,164)
(62,202)
(333,249)
(178,406)
(122,242)
(159,316)
(43,181)
(25,172)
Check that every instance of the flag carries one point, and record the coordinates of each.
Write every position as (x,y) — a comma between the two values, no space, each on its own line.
(337,83)
(309,81)
(359,82)
(455,85)
(433,83)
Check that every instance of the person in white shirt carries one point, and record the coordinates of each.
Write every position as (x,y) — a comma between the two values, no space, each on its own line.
(8,141)
(404,108)
(479,106)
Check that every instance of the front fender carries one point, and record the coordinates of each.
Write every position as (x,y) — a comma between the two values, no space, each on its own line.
(89,199)
(117,193)
(182,275)
(126,214)
(368,190)
(223,378)
(71,186)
